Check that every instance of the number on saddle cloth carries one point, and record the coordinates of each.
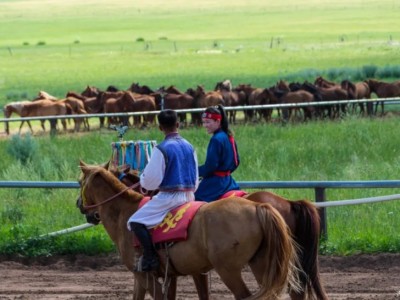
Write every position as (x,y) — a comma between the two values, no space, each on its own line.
(135,154)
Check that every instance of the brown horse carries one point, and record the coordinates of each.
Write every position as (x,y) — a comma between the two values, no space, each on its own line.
(90,91)
(78,108)
(259,96)
(358,90)
(322,82)
(42,108)
(14,107)
(231,98)
(303,220)
(296,97)
(383,90)
(244,91)
(172,98)
(224,236)
(140,89)
(203,99)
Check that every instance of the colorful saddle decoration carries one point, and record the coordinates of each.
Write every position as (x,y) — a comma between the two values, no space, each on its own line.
(135,154)
(175,225)
(233,193)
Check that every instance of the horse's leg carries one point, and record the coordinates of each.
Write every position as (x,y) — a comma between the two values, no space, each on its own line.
(64,124)
(86,124)
(42,124)
(20,127)
(139,292)
(201,283)
(147,282)
(234,281)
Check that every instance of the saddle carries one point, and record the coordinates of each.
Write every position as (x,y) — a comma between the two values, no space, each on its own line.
(174,227)
(175,224)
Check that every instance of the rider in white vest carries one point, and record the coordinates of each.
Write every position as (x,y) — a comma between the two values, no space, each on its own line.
(173,169)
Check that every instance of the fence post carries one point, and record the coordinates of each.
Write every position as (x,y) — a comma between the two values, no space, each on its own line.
(320,196)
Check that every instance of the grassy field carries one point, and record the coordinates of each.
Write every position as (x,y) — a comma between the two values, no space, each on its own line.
(353,149)
(59,46)
(56,46)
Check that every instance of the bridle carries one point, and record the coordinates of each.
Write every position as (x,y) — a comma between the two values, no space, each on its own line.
(86,207)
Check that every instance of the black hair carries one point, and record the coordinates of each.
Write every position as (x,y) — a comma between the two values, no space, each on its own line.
(219,109)
(167,118)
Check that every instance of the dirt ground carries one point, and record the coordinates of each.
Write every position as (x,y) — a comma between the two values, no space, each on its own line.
(81,277)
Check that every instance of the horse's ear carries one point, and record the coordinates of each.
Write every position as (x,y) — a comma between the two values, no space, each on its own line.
(106,165)
(83,166)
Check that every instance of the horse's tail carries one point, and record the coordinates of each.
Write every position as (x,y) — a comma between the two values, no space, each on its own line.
(279,252)
(307,235)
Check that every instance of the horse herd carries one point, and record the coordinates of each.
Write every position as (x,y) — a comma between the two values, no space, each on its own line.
(141,98)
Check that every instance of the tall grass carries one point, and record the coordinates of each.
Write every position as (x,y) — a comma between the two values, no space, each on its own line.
(352,149)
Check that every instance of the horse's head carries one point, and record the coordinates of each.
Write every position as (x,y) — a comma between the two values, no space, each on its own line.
(84,201)
(90,91)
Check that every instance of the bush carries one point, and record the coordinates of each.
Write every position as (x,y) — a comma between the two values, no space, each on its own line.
(140,39)
(369,71)
(22,148)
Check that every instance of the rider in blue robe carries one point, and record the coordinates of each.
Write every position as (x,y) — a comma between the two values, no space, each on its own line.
(221,160)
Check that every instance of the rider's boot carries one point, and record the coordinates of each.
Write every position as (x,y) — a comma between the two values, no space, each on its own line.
(149,261)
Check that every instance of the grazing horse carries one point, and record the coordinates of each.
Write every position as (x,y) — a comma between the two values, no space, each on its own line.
(224,235)
(303,220)
(383,90)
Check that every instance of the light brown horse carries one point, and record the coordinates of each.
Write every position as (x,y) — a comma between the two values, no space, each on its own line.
(14,107)
(301,216)
(42,108)
(224,236)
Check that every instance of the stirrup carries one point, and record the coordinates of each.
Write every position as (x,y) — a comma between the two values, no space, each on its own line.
(145,265)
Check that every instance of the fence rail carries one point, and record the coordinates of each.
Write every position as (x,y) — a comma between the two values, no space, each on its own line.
(318,186)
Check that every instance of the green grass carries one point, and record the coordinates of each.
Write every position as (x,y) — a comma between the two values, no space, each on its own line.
(352,149)
(188,43)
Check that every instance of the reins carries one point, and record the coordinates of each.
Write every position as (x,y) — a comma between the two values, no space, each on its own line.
(112,197)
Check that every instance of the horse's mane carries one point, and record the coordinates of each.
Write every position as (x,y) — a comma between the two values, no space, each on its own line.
(114,182)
